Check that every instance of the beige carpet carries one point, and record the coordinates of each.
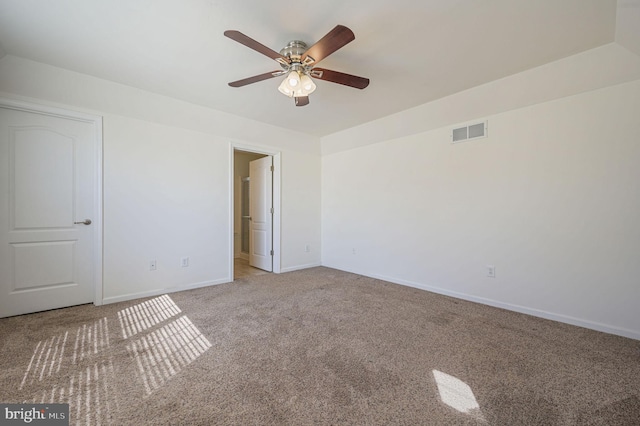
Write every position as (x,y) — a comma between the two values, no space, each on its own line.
(318,346)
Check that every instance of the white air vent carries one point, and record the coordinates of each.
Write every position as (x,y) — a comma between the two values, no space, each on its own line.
(471,131)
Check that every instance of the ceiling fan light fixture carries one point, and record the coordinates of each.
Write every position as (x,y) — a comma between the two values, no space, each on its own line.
(297,84)
(293,79)
(307,84)
(285,89)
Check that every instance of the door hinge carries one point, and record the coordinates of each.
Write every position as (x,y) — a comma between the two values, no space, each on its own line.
(271,168)
(271,210)
(271,252)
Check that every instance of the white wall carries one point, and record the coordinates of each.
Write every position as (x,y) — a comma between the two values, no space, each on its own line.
(551,198)
(167,181)
(163,188)
(301,210)
(627,24)
(31,79)
(593,69)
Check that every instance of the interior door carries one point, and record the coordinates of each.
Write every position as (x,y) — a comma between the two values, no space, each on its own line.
(48,175)
(261,212)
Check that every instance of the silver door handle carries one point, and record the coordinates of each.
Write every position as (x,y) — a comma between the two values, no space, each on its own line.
(84,222)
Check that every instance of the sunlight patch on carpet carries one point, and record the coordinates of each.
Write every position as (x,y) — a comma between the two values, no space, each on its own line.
(145,315)
(48,355)
(457,394)
(76,364)
(87,391)
(163,353)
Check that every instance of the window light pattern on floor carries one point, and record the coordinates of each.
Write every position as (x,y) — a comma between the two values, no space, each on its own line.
(48,355)
(76,363)
(87,393)
(145,315)
(164,352)
(77,366)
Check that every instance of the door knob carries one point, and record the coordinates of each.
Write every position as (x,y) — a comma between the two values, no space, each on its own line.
(84,222)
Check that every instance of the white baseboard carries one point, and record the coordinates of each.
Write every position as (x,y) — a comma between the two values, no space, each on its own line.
(592,325)
(299,267)
(158,292)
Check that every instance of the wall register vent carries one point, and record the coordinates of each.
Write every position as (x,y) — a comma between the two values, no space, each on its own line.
(471,131)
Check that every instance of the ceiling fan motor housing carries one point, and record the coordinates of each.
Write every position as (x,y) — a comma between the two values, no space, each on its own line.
(294,50)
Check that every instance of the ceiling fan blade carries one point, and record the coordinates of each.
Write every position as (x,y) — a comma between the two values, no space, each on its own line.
(302,100)
(258,47)
(334,40)
(340,78)
(255,78)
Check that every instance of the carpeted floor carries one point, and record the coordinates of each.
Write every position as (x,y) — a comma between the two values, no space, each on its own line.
(317,346)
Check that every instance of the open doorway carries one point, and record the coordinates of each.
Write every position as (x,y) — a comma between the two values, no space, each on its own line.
(253,213)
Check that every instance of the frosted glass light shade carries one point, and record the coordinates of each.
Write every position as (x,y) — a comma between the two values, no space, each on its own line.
(297,84)
(293,79)
(308,86)
(285,89)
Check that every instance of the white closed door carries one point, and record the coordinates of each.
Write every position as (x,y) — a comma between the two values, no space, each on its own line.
(261,213)
(48,175)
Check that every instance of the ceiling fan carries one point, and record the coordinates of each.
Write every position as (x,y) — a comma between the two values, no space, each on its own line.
(299,64)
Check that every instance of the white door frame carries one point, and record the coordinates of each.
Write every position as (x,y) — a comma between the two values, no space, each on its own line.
(277,160)
(96,122)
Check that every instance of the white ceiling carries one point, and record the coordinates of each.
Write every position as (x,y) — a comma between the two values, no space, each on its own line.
(414,51)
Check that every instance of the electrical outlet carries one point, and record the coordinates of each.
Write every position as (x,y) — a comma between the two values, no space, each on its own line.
(491,271)
(153,265)
(353,251)
(307,248)
(184,262)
